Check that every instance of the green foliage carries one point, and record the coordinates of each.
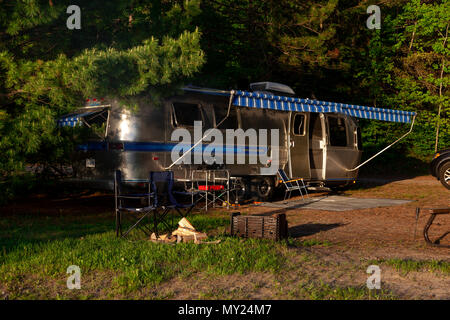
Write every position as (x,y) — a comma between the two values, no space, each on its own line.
(43,77)
(306,39)
(294,42)
(108,72)
(408,63)
(324,50)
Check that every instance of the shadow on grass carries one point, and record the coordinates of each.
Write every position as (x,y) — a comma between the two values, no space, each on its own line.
(20,230)
(87,203)
(390,167)
(16,231)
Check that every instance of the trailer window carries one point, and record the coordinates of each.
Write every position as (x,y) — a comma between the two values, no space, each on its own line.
(338,132)
(299,125)
(96,121)
(97,118)
(231,122)
(187,113)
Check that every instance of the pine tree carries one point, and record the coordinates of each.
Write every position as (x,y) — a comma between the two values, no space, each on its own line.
(124,48)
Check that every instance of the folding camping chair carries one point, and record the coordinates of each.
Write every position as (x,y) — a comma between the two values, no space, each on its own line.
(164,196)
(292,184)
(135,212)
(213,186)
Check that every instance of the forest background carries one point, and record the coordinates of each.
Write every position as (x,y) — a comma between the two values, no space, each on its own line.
(322,49)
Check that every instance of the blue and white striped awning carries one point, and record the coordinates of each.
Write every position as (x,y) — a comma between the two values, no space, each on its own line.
(282,103)
(73,119)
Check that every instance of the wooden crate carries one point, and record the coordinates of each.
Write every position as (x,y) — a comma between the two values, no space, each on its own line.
(273,227)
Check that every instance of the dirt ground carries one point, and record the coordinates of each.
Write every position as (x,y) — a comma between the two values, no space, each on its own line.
(352,238)
(380,230)
(381,233)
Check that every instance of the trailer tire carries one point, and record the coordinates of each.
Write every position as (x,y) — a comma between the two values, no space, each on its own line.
(262,188)
(241,191)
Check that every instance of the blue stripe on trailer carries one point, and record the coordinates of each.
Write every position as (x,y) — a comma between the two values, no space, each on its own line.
(168,147)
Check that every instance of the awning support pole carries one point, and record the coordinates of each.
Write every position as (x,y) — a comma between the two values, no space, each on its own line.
(377,154)
(107,123)
(206,135)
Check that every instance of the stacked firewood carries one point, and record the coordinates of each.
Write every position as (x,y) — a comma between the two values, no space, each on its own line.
(185,233)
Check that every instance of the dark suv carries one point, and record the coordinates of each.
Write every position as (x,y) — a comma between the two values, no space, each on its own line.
(440,167)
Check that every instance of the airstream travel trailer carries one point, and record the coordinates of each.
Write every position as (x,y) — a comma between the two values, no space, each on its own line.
(318,141)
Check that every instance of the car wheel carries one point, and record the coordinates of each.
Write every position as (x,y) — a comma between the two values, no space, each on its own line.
(444,175)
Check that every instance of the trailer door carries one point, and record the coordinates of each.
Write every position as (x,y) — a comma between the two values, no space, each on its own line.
(317,146)
(299,154)
(342,148)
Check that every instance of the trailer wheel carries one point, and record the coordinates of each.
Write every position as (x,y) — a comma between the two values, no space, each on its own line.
(240,191)
(263,188)
(444,175)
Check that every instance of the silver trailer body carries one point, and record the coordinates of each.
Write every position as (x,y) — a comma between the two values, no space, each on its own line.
(320,147)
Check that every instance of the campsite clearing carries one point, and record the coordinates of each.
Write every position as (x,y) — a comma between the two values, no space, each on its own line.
(325,257)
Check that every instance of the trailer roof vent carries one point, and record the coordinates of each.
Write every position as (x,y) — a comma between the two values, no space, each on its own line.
(272,87)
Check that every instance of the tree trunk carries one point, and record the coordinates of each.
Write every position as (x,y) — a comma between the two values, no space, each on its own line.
(440,96)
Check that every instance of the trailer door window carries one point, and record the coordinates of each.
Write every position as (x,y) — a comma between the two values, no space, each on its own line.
(187,113)
(338,132)
(299,125)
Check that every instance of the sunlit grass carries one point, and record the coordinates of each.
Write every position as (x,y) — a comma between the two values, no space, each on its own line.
(44,248)
(327,292)
(409,265)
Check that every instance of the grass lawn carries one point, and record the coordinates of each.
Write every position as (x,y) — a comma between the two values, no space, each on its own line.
(404,266)
(45,247)
(36,252)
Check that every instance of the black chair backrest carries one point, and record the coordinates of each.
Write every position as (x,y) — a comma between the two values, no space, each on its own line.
(284,177)
(162,185)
